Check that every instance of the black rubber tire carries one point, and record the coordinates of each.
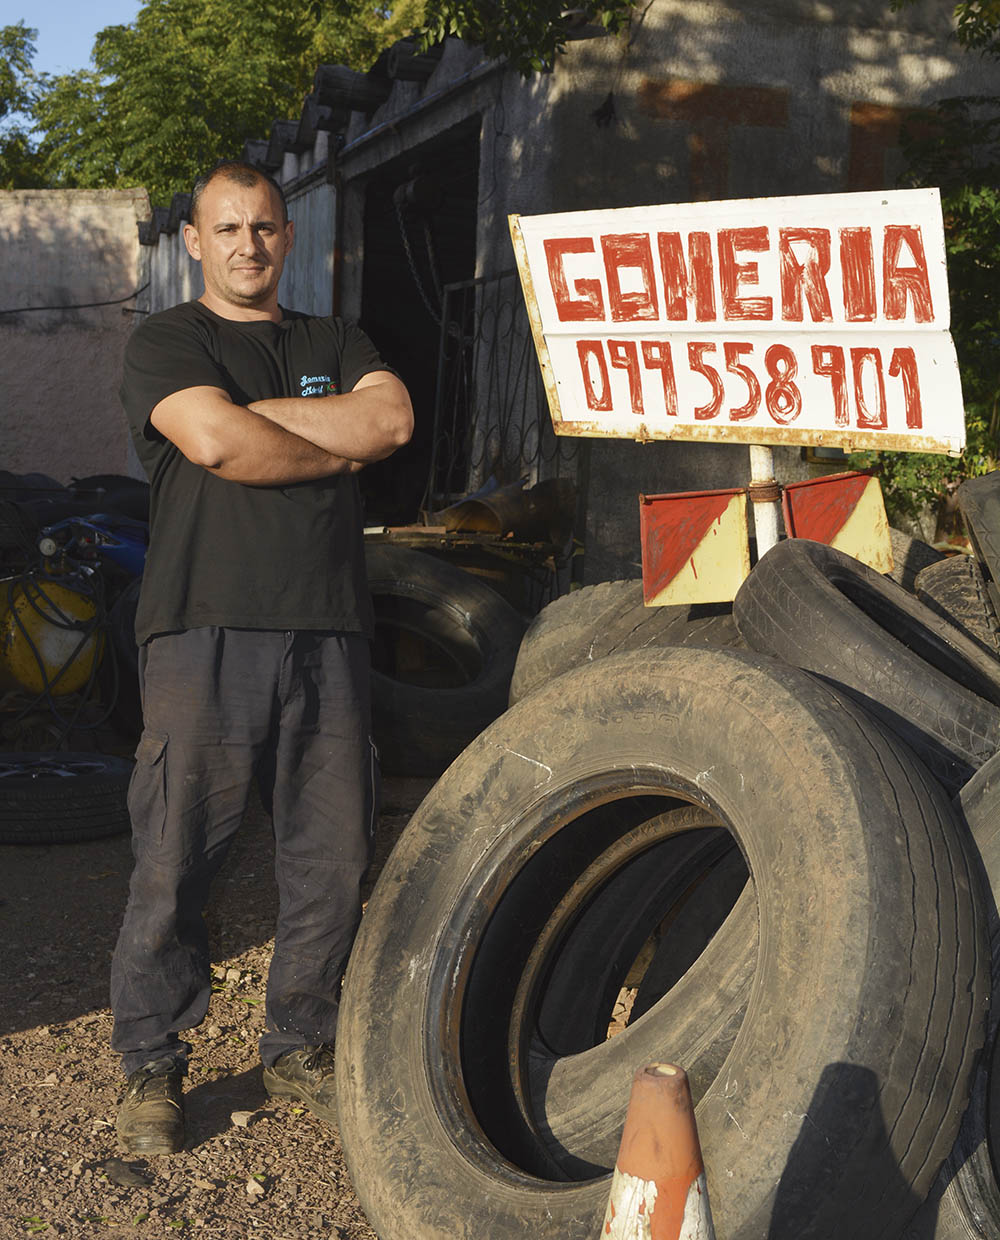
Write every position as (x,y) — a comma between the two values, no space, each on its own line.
(582,956)
(979,504)
(84,801)
(434,609)
(646,871)
(910,556)
(610,618)
(964,1203)
(116,493)
(846,1083)
(955,588)
(828,613)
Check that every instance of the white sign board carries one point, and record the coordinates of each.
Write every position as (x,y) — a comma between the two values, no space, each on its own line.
(818,320)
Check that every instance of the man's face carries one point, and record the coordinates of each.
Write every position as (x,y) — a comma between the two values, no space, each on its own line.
(241,240)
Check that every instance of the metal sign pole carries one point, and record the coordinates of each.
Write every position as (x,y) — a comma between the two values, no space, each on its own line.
(765,495)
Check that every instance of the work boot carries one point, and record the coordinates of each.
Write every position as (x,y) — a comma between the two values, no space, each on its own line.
(306,1074)
(151,1115)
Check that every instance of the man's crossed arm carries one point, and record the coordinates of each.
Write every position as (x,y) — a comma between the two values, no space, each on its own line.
(288,439)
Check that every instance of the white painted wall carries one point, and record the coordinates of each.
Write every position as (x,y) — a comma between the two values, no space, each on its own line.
(66,249)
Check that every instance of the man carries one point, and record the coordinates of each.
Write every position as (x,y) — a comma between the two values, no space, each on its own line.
(253,620)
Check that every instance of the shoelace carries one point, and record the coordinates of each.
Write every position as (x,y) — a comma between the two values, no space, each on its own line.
(151,1085)
(321,1057)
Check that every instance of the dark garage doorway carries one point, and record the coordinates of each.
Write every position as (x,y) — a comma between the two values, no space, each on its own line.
(421,215)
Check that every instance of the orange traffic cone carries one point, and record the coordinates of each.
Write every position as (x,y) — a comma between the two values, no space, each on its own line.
(658,1190)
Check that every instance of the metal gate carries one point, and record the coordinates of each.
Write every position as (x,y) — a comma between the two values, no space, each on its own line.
(491,417)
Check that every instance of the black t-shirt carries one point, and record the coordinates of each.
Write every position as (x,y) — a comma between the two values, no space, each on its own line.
(221,553)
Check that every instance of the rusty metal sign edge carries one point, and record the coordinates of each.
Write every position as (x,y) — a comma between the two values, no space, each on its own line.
(535,319)
(857,441)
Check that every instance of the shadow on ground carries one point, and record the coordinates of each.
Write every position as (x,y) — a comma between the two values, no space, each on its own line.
(61,906)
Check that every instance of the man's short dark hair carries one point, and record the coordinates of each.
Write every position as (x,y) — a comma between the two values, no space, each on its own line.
(242,173)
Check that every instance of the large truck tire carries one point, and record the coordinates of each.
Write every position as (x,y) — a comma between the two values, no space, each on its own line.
(846,1080)
(610,618)
(62,797)
(442,658)
(956,589)
(828,613)
(910,556)
(979,504)
(964,1203)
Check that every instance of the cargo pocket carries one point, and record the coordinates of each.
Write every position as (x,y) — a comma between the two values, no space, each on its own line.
(147,790)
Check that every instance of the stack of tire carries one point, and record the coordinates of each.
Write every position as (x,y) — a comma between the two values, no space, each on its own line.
(442,657)
(776,833)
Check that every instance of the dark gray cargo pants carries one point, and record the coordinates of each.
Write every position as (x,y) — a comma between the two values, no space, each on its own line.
(222,706)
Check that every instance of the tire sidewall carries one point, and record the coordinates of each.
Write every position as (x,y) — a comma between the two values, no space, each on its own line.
(825,895)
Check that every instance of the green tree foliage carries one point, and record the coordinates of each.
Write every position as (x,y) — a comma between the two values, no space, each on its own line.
(19,86)
(979,25)
(529,33)
(189,81)
(956,146)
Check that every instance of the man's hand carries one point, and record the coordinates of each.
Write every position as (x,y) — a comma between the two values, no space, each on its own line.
(235,443)
(366,424)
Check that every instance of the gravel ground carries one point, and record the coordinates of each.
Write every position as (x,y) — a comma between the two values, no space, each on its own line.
(251,1166)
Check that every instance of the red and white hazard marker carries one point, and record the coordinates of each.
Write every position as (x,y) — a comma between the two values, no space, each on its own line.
(845,511)
(658,1190)
(695,546)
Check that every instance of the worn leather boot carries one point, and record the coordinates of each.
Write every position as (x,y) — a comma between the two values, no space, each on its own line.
(306,1074)
(151,1115)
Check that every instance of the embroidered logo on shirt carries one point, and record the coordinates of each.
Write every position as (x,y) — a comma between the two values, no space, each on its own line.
(317,385)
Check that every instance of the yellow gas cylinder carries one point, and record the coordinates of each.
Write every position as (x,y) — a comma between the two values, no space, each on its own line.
(43,635)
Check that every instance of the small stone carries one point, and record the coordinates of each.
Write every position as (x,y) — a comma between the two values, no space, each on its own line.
(213,1031)
(51,1079)
(77,1168)
(241,1119)
(119,1172)
(255,1190)
(233,975)
(206,1184)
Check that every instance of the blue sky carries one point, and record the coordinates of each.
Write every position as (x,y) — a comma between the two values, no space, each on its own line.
(66,28)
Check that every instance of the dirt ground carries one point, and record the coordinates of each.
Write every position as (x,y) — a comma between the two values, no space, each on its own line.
(251,1166)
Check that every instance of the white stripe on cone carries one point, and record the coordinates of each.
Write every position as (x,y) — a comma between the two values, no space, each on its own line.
(697,1224)
(632,1207)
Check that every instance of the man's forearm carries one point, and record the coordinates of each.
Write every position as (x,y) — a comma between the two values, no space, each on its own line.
(235,443)
(267,458)
(366,424)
